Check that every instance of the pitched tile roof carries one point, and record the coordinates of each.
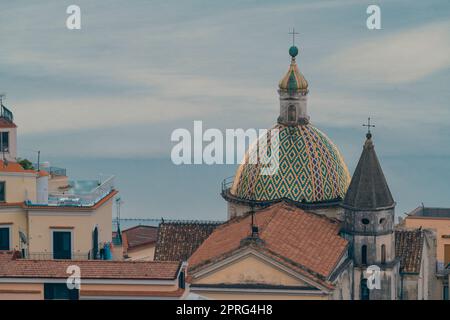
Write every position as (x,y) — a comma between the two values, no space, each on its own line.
(15,167)
(300,239)
(177,240)
(409,247)
(139,236)
(12,267)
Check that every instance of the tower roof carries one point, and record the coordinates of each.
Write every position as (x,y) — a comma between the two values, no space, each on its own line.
(368,188)
(293,80)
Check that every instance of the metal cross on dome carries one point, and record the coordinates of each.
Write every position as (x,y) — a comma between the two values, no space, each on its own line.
(293,35)
(368,125)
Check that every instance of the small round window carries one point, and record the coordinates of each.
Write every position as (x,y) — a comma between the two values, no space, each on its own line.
(365,221)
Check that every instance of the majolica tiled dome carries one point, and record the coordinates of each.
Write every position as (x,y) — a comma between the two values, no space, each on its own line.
(311,169)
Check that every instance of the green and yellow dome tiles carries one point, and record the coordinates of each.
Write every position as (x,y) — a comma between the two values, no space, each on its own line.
(311,170)
(294,79)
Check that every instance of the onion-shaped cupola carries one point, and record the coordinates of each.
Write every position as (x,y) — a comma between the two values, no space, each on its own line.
(293,91)
(293,81)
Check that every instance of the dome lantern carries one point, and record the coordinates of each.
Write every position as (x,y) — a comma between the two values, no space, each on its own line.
(293,89)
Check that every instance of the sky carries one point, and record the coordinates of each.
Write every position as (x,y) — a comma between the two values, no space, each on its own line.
(106,98)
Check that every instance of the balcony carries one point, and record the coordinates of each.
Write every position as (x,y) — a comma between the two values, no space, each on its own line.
(49,256)
(83,193)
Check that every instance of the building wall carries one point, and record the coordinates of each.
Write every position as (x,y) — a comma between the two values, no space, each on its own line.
(411,289)
(249,270)
(42,223)
(16,219)
(56,182)
(256,296)
(142,253)
(21,291)
(19,186)
(331,212)
(389,284)
(35,291)
(254,270)
(441,226)
(237,210)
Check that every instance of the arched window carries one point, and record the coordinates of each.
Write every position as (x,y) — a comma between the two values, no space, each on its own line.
(365,293)
(383,253)
(291,113)
(364,254)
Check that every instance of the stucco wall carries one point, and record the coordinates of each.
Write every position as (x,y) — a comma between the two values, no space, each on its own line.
(249,270)
(16,219)
(256,296)
(142,253)
(41,224)
(441,226)
(19,186)
(21,291)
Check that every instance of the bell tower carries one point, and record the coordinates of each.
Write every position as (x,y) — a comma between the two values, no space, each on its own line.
(369,226)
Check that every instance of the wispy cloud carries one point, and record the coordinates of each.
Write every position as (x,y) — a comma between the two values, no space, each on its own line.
(399,58)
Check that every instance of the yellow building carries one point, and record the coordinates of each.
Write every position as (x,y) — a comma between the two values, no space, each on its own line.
(43,215)
(25,279)
(437,219)
(138,243)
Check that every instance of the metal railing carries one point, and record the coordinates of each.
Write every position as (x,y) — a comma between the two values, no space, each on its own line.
(50,256)
(227,183)
(7,114)
(84,199)
(54,171)
(442,268)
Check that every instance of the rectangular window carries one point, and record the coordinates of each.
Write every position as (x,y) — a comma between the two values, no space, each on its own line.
(62,245)
(4,141)
(446,254)
(59,291)
(2,191)
(4,238)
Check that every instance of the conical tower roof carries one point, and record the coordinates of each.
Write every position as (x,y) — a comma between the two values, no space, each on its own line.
(368,188)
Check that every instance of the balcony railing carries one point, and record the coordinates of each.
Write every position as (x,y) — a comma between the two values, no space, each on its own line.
(81,196)
(227,183)
(6,114)
(54,171)
(49,256)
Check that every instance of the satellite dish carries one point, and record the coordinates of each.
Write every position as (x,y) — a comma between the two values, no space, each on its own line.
(23,237)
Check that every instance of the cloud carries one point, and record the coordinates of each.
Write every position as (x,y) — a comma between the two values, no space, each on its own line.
(401,58)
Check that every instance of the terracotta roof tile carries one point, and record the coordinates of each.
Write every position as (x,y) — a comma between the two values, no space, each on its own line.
(6,124)
(177,240)
(138,236)
(90,269)
(305,239)
(409,247)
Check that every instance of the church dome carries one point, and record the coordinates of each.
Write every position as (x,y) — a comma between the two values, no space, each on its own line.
(311,170)
(293,80)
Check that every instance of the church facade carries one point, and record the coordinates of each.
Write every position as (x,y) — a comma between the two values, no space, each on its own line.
(377,260)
